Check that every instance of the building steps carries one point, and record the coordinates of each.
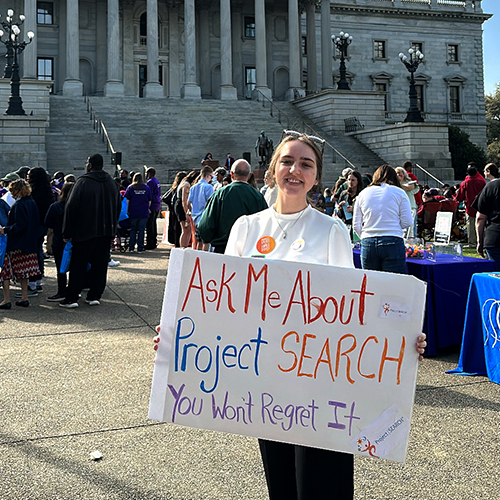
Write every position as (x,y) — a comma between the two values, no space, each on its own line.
(173,135)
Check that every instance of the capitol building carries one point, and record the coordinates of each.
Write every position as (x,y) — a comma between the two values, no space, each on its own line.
(281,50)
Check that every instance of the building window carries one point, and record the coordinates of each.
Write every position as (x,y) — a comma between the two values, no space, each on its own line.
(250,81)
(420,97)
(45,69)
(452,53)
(304,46)
(455,99)
(417,46)
(249,27)
(45,13)
(382,87)
(379,49)
(143,29)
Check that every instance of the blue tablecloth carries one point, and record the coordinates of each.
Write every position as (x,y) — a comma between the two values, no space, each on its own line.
(480,354)
(447,289)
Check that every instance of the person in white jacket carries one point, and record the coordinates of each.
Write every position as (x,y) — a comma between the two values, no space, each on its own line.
(381,214)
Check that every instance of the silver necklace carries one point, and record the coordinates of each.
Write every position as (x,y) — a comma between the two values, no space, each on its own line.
(285,232)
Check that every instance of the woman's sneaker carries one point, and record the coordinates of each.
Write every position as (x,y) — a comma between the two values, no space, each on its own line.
(68,305)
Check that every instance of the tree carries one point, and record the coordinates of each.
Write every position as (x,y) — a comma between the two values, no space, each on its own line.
(492,102)
(463,151)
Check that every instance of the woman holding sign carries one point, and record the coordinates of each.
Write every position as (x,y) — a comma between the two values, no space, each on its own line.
(292,230)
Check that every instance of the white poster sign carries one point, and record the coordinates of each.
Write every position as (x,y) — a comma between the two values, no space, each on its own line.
(442,229)
(301,353)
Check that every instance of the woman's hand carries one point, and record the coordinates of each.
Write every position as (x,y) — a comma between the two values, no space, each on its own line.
(349,208)
(421,345)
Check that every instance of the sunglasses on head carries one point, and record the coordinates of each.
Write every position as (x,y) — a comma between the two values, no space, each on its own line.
(317,140)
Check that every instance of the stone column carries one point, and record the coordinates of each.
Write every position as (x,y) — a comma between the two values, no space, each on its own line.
(190,89)
(227,89)
(260,50)
(114,85)
(128,72)
(30,64)
(294,51)
(312,64)
(174,75)
(72,85)
(152,87)
(326,46)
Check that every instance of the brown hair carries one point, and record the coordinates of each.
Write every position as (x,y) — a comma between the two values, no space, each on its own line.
(493,169)
(359,185)
(65,191)
(19,189)
(207,170)
(138,179)
(304,139)
(178,178)
(385,174)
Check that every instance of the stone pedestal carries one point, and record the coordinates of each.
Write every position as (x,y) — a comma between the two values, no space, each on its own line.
(190,91)
(330,108)
(228,93)
(73,88)
(153,90)
(257,96)
(114,89)
(34,93)
(22,142)
(422,143)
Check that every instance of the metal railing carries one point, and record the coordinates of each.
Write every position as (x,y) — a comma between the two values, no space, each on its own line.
(99,127)
(428,174)
(298,124)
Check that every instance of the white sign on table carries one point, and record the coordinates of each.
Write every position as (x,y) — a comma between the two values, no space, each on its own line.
(300,353)
(442,229)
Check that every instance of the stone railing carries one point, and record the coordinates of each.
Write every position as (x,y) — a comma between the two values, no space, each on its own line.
(460,5)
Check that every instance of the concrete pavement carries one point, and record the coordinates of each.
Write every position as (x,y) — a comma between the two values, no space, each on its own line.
(76,381)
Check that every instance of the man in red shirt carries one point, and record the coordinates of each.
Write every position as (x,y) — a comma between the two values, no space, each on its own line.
(469,189)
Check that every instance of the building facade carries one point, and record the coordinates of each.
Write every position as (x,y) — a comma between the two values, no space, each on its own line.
(234,49)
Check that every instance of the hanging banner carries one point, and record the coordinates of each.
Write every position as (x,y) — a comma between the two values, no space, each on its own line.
(300,353)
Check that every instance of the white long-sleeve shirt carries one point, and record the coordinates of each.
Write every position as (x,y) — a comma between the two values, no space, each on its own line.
(382,211)
(311,237)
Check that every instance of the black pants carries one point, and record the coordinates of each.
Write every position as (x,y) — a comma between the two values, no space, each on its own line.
(57,251)
(96,253)
(152,230)
(220,248)
(296,472)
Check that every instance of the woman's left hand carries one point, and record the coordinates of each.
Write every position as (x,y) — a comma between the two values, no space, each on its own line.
(421,345)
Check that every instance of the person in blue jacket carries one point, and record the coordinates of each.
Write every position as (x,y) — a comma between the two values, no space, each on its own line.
(22,230)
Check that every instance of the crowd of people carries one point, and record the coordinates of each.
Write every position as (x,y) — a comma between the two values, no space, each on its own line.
(76,217)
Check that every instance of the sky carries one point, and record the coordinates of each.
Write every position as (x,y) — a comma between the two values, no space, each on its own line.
(491,42)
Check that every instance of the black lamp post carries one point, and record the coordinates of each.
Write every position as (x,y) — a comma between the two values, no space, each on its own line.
(16,47)
(7,26)
(412,63)
(342,42)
